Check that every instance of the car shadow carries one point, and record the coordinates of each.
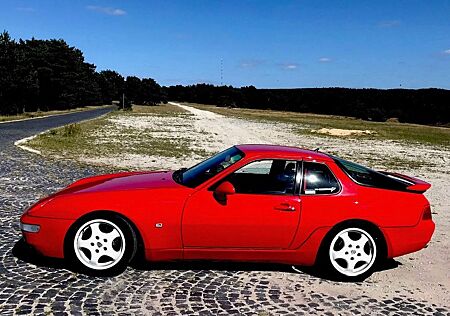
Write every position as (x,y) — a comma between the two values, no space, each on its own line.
(24,252)
(196,265)
(233,266)
(389,264)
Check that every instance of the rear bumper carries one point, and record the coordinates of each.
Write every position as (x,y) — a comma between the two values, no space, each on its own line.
(49,241)
(404,240)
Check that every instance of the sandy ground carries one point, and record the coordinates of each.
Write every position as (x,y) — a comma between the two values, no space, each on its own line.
(343,132)
(424,275)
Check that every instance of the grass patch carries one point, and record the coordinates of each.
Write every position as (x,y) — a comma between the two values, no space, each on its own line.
(104,137)
(306,123)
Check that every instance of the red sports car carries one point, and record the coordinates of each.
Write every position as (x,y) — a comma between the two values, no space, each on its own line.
(247,203)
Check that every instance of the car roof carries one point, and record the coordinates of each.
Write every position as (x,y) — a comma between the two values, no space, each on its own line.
(278,150)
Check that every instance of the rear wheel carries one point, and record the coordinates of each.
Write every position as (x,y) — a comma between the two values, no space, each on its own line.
(351,253)
(101,246)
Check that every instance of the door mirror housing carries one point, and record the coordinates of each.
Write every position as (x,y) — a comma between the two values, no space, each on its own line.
(224,189)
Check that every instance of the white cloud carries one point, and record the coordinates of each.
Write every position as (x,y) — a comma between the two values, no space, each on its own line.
(247,65)
(289,66)
(251,63)
(26,9)
(389,23)
(107,10)
(324,60)
(447,52)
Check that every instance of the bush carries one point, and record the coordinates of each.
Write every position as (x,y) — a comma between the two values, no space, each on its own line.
(71,130)
(128,106)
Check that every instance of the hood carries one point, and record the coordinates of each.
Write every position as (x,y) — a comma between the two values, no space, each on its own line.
(123,181)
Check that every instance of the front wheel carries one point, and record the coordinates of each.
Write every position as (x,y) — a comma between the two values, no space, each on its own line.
(350,253)
(101,246)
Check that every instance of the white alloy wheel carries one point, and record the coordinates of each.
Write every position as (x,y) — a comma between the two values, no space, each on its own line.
(99,244)
(352,252)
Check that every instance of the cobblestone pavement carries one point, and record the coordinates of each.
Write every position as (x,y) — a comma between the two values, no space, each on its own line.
(42,287)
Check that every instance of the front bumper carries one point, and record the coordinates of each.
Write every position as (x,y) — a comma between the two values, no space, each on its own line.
(49,239)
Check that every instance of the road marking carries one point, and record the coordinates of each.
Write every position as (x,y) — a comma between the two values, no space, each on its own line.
(19,143)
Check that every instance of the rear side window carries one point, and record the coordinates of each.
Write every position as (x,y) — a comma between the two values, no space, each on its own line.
(318,179)
(368,177)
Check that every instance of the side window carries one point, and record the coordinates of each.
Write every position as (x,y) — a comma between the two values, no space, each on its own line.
(318,179)
(257,167)
(265,177)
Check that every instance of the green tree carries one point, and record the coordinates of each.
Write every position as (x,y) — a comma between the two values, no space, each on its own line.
(150,92)
(65,80)
(133,89)
(18,81)
(111,84)
(7,71)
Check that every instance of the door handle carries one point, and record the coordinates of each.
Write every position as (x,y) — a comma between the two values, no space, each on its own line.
(285,207)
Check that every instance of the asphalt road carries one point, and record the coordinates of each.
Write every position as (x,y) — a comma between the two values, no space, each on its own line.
(12,131)
(32,285)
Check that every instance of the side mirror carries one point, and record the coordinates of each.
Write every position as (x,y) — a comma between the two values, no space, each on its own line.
(224,189)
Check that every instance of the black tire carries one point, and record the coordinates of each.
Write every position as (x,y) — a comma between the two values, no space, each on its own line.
(351,252)
(103,243)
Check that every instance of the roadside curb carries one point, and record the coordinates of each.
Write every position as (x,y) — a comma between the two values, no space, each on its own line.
(19,143)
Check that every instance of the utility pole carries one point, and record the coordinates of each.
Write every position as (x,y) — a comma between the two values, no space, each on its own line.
(221,72)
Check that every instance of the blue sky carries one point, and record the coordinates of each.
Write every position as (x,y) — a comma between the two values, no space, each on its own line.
(279,43)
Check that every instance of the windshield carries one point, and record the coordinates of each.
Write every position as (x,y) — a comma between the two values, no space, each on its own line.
(365,176)
(207,169)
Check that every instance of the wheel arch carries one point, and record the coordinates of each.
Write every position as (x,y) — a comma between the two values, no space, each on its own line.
(140,247)
(372,227)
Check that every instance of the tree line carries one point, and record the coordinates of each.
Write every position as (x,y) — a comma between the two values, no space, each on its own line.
(51,75)
(422,106)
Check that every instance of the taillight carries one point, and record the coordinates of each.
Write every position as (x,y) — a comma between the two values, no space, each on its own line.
(426,213)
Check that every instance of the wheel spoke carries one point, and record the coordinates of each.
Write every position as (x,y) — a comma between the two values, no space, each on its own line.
(94,257)
(340,254)
(95,228)
(85,243)
(345,237)
(351,265)
(113,254)
(111,235)
(362,241)
(365,257)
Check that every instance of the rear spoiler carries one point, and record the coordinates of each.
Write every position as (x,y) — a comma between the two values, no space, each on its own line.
(415,185)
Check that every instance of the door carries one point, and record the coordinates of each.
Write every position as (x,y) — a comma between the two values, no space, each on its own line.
(264,212)
(322,200)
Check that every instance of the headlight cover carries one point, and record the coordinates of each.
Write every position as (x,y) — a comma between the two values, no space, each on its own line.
(29,228)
